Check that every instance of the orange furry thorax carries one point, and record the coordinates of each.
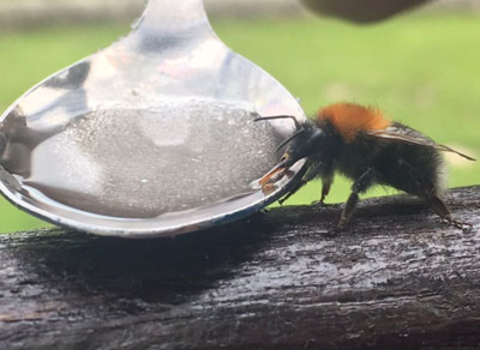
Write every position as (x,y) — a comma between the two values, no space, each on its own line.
(349,119)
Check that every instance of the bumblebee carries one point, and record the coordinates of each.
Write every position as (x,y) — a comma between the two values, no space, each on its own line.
(360,143)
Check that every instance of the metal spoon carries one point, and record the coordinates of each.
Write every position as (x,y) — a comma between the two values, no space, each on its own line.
(152,136)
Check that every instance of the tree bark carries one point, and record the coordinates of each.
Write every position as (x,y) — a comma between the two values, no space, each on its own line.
(398,279)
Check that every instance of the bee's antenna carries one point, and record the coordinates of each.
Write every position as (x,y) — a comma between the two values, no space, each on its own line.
(296,134)
(297,124)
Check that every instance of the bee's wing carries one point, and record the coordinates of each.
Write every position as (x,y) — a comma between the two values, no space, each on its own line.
(403,134)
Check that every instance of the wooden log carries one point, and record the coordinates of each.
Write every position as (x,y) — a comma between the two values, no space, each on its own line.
(398,279)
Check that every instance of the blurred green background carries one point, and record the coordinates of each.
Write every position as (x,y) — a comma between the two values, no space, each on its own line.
(422,69)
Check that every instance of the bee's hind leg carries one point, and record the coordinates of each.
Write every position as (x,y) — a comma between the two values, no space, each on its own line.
(439,206)
(427,190)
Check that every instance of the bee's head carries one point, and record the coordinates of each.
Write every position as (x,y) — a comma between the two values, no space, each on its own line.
(305,142)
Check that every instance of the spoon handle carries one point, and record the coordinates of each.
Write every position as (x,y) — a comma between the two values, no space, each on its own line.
(165,17)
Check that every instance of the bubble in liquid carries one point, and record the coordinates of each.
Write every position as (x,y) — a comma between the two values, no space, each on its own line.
(144,161)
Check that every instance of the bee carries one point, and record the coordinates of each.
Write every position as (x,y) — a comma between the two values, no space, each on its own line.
(360,143)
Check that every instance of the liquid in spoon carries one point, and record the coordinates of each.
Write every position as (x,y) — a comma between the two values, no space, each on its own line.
(143,161)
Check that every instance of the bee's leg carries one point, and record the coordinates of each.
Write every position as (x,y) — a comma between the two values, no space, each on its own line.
(348,210)
(326,173)
(294,190)
(439,206)
(326,185)
(327,182)
(303,181)
(427,190)
(360,185)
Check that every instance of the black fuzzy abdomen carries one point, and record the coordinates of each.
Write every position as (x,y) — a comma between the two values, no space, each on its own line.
(414,169)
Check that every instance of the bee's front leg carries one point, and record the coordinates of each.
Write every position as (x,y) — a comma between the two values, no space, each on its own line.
(294,190)
(326,173)
(327,181)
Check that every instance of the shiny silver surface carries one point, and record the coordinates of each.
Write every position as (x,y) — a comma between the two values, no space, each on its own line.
(153,136)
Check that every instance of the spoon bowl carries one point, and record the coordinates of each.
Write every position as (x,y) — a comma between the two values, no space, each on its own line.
(152,136)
